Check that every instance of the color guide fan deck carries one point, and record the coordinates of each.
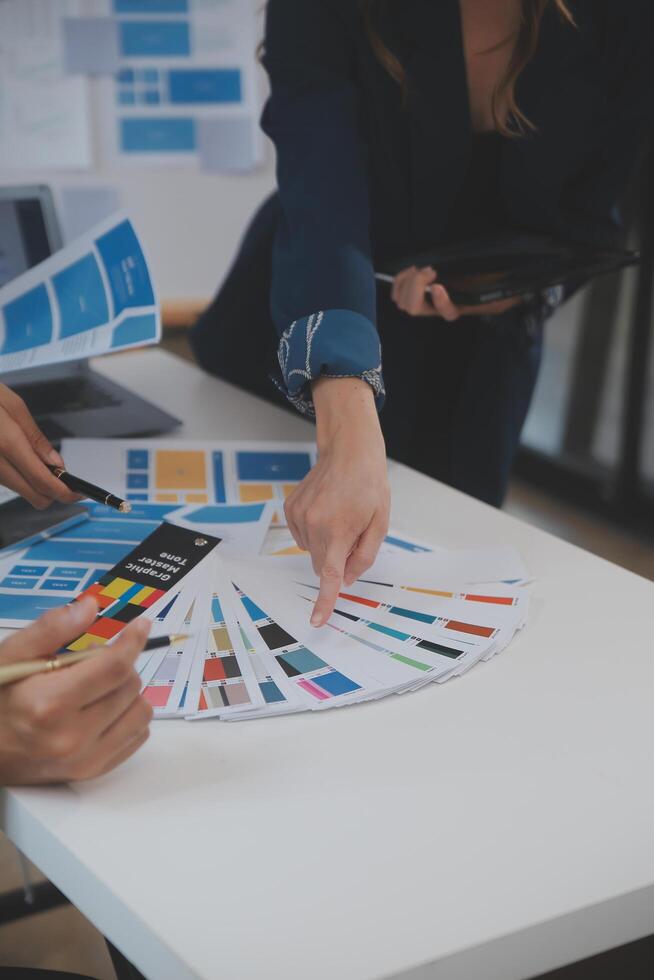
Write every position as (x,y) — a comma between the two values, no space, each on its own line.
(191,557)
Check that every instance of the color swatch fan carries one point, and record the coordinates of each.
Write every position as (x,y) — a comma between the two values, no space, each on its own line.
(410,621)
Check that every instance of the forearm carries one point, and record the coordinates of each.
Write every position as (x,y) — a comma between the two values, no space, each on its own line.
(345,411)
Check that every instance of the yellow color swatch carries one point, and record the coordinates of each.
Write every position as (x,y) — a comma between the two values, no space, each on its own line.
(293,550)
(288,488)
(180,469)
(221,639)
(116,588)
(444,595)
(85,641)
(197,498)
(167,498)
(137,599)
(251,493)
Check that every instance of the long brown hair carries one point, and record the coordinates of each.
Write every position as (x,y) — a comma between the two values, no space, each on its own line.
(514,123)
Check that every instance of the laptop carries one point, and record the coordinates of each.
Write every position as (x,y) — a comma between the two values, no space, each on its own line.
(67,400)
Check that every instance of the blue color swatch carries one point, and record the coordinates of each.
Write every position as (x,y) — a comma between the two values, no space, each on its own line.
(15,582)
(33,570)
(216,611)
(81,297)
(28,321)
(138,481)
(252,609)
(304,660)
(157,135)
(58,585)
(411,614)
(135,330)
(150,6)
(406,545)
(335,683)
(192,86)
(84,552)
(273,466)
(226,514)
(271,693)
(155,39)
(219,478)
(126,268)
(117,530)
(138,459)
(26,607)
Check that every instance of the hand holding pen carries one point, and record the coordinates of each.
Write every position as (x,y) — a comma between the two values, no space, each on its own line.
(26,454)
(75,723)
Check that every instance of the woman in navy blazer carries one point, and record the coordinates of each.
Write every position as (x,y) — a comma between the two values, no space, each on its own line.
(402,125)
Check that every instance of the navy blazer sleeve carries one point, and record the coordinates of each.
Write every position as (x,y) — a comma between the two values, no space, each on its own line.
(323,287)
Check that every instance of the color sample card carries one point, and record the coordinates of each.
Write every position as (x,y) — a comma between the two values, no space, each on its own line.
(223,679)
(165,679)
(281,543)
(54,571)
(186,473)
(143,581)
(94,296)
(316,680)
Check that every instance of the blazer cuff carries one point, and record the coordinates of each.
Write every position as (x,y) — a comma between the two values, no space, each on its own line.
(329,344)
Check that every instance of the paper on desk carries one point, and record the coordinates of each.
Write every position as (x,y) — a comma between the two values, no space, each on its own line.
(280,543)
(459,566)
(194,472)
(93,296)
(242,528)
(54,571)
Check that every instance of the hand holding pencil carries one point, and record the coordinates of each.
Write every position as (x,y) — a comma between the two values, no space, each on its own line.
(76,723)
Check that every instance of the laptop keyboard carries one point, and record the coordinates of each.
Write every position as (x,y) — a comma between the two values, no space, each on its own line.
(67,395)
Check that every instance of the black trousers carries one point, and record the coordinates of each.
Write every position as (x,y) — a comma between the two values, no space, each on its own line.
(457,393)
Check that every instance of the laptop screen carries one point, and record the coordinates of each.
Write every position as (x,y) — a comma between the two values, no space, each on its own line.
(24,238)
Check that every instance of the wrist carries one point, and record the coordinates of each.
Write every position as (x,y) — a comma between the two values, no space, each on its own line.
(345,409)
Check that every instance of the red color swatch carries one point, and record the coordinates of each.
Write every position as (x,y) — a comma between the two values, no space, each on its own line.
(363,602)
(454,624)
(497,600)
(105,627)
(214,669)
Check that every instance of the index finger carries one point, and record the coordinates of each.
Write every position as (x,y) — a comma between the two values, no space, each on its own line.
(331,579)
(88,681)
(50,632)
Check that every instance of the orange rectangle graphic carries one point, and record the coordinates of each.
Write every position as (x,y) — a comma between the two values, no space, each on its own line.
(180,469)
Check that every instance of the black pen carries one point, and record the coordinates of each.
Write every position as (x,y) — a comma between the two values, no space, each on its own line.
(90,490)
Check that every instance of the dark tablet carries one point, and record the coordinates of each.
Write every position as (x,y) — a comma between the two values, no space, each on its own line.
(21,525)
(514,265)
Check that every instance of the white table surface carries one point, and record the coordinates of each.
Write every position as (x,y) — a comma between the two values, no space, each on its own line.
(495,827)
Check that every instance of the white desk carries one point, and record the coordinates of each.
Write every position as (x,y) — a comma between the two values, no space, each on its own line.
(345,845)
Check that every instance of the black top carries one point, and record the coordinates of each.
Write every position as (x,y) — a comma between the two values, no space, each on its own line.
(477,210)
